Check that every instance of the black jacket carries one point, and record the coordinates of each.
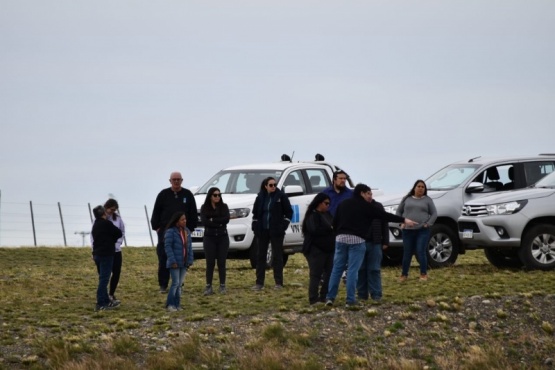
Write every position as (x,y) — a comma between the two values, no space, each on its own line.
(320,231)
(169,202)
(277,210)
(215,220)
(105,235)
(355,215)
(379,230)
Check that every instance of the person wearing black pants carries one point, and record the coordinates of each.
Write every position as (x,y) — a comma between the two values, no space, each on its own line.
(168,202)
(271,216)
(214,215)
(318,246)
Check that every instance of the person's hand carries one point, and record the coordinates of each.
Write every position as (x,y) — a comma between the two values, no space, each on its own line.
(410,223)
(174,265)
(384,247)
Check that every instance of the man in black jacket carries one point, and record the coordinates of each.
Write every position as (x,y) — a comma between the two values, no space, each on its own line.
(169,201)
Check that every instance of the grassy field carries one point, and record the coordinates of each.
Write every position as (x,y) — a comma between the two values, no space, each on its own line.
(47,318)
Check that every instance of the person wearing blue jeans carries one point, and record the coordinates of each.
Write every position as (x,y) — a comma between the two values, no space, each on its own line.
(418,206)
(104,235)
(351,223)
(179,249)
(370,273)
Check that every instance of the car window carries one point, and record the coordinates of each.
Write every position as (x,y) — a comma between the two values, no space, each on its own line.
(237,182)
(534,171)
(495,178)
(295,178)
(318,179)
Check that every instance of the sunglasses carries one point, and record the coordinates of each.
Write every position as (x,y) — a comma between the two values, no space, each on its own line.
(272,185)
(176,179)
(216,195)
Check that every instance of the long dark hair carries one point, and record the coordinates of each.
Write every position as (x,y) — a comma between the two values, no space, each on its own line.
(319,198)
(411,192)
(208,202)
(265,182)
(173,220)
(110,203)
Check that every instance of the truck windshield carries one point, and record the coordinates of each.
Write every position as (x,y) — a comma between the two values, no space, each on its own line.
(239,182)
(451,176)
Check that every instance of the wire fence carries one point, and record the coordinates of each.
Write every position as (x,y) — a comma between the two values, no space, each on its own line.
(56,224)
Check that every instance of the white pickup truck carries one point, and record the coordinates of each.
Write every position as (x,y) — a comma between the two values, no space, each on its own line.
(301,181)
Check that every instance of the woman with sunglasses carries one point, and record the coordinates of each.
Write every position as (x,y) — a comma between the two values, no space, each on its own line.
(214,215)
(271,215)
(318,246)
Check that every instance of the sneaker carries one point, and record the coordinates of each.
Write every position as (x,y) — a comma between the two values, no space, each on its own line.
(172,308)
(257,287)
(423,277)
(208,290)
(104,308)
(329,303)
(113,304)
(403,278)
(114,299)
(223,290)
(163,290)
(278,287)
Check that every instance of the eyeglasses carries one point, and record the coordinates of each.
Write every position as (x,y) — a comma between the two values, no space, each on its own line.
(216,195)
(272,185)
(176,180)
(326,203)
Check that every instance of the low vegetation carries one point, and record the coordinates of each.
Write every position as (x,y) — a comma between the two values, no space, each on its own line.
(469,316)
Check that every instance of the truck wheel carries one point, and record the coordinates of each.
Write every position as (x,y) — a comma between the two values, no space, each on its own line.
(537,250)
(392,257)
(503,257)
(443,248)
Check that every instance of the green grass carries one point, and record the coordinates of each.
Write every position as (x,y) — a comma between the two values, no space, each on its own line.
(47,318)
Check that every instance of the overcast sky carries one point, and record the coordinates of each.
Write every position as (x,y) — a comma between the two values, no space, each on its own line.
(109,97)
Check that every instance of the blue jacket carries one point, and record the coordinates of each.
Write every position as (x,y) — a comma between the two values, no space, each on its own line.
(271,212)
(336,198)
(174,248)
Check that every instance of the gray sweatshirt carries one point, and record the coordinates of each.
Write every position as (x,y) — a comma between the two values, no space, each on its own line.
(421,210)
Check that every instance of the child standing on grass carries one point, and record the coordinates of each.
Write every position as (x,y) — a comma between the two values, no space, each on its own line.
(179,249)
(104,235)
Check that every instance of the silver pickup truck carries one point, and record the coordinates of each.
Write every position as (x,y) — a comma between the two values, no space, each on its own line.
(515,228)
(457,184)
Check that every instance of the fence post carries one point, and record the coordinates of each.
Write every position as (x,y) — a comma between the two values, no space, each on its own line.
(62,220)
(149,229)
(90,212)
(33,222)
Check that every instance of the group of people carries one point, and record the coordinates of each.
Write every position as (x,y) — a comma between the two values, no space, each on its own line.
(344,230)
(347,230)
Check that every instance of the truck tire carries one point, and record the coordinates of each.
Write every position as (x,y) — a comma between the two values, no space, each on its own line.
(443,248)
(537,250)
(503,257)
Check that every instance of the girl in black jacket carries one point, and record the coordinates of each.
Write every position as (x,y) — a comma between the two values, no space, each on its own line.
(271,215)
(318,246)
(214,215)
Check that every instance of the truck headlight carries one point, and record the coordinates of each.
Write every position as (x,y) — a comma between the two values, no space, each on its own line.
(391,209)
(239,212)
(506,208)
